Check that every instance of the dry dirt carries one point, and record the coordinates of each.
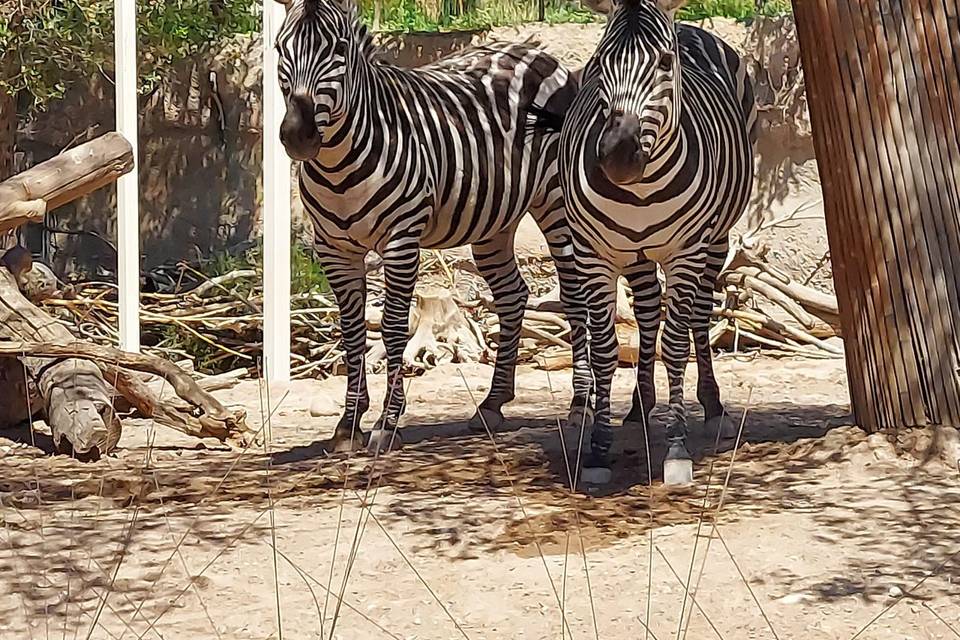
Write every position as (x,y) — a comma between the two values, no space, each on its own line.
(828,526)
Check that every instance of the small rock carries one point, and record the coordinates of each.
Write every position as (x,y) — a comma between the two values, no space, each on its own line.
(325,406)
(794,598)
(895,592)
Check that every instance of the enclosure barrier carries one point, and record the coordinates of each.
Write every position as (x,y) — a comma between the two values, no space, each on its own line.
(276,195)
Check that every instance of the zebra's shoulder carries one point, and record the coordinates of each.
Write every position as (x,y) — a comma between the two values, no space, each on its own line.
(495,54)
(707,52)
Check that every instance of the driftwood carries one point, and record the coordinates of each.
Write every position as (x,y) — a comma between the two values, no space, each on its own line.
(74,397)
(196,412)
(28,196)
(441,332)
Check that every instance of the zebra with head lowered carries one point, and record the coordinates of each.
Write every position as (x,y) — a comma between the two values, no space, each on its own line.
(394,160)
(656,167)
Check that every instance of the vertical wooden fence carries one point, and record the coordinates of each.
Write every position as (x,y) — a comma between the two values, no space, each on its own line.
(883,81)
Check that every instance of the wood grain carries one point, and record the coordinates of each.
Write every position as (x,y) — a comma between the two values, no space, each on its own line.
(883,82)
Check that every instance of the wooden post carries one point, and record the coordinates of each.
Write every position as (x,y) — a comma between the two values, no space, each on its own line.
(276,210)
(128,186)
(884,90)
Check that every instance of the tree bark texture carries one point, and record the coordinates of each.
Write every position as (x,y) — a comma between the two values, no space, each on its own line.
(29,195)
(883,82)
(75,397)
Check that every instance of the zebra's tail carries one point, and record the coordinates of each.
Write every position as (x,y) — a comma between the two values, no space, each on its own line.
(550,118)
(546,120)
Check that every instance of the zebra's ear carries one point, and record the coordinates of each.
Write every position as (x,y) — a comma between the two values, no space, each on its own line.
(600,6)
(670,7)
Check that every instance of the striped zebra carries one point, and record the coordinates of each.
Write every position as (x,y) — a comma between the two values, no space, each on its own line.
(656,166)
(394,160)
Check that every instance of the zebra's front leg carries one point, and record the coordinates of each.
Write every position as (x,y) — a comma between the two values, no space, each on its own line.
(498,266)
(574,304)
(601,290)
(345,273)
(643,280)
(715,418)
(401,263)
(682,283)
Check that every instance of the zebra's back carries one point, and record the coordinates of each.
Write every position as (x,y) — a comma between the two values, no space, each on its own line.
(451,141)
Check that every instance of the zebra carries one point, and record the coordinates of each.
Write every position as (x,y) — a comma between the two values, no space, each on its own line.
(656,166)
(394,160)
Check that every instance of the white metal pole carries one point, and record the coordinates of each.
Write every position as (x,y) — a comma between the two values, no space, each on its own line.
(276,210)
(128,191)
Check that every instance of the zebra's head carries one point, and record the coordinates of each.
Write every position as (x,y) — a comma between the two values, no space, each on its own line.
(319,44)
(637,67)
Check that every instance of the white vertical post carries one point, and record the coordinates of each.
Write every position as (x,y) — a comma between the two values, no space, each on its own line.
(276,210)
(128,190)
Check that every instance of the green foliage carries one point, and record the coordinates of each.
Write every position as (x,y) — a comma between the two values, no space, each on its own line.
(739,9)
(469,15)
(463,15)
(46,44)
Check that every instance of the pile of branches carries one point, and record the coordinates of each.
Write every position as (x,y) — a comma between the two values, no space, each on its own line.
(217,321)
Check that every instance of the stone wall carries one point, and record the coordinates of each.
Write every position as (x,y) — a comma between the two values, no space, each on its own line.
(200,147)
(200,156)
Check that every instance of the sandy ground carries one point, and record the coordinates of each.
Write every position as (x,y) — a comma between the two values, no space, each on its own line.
(827,526)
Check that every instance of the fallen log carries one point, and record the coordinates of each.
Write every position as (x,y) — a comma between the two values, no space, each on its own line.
(196,413)
(28,196)
(74,396)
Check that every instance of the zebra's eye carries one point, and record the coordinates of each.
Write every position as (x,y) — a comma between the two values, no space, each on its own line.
(666,62)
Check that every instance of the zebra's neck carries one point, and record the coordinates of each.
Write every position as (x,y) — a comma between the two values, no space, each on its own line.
(349,134)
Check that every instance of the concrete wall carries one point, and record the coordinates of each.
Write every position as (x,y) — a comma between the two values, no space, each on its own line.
(200,142)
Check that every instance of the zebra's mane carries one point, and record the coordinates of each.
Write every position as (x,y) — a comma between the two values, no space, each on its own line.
(361,35)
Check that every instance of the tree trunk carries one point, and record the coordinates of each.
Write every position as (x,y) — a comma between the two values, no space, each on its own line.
(884,92)
(62,179)
(75,398)
(8,137)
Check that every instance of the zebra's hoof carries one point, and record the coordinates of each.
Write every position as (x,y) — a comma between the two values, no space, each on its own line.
(723,424)
(595,469)
(342,442)
(678,466)
(486,419)
(383,440)
(596,475)
(581,414)
(636,416)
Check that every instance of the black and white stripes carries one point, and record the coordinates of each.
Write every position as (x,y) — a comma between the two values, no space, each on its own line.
(395,160)
(656,167)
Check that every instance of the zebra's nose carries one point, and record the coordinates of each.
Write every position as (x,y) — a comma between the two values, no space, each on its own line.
(298,131)
(619,153)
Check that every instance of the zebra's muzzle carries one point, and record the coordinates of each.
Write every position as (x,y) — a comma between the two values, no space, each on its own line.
(298,131)
(620,154)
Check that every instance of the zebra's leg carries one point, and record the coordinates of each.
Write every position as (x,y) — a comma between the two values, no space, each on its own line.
(553,224)
(346,275)
(708,392)
(498,266)
(600,283)
(683,280)
(642,278)
(401,263)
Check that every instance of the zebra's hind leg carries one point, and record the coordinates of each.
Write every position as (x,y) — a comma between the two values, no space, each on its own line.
(683,278)
(345,273)
(498,266)
(642,278)
(558,239)
(715,417)
(600,283)
(401,263)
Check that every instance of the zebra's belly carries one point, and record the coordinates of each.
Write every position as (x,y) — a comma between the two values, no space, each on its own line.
(615,227)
